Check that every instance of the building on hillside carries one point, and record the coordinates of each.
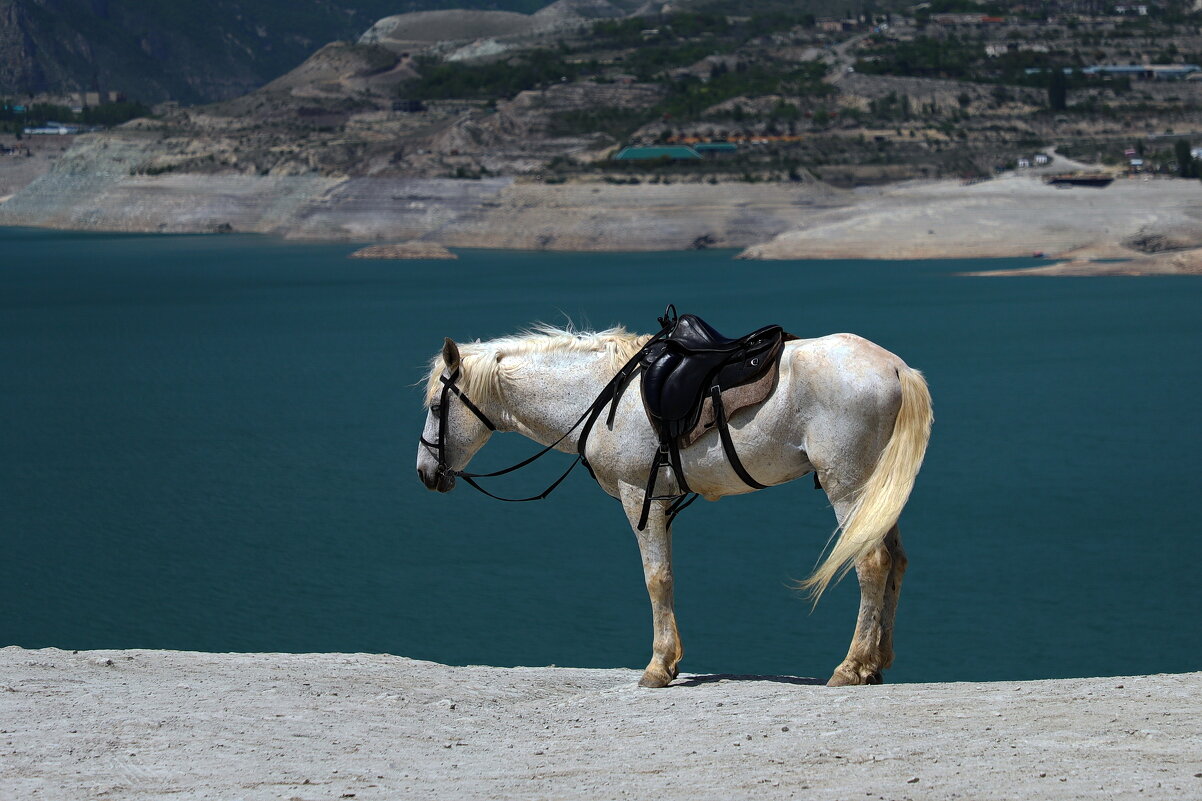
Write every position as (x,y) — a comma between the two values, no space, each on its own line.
(100,98)
(1002,48)
(52,128)
(650,152)
(1146,72)
(829,25)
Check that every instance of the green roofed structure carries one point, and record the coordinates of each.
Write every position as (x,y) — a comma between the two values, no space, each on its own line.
(674,152)
(716,147)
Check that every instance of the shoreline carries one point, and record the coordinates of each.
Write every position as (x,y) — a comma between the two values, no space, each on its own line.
(95,187)
(145,724)
(1103,261)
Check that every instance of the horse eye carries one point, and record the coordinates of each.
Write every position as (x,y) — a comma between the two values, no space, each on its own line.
(436,409)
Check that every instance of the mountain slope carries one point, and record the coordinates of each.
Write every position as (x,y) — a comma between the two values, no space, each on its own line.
(191,52)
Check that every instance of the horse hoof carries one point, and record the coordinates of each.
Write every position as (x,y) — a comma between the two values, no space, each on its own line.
(846,678)
(654,679)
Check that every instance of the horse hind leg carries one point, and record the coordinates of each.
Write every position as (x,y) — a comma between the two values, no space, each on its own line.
(879,573)
(871,652)
(897,569)
(866,657)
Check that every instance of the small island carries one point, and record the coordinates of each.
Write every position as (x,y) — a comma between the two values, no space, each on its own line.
(404,250)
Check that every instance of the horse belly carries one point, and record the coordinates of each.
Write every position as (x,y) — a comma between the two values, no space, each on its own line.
(768,460)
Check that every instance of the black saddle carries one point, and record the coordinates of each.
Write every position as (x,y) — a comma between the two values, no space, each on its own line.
(683,369)
(683,366)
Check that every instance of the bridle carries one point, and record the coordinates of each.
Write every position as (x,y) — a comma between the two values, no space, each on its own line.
(609,396)
(439,449)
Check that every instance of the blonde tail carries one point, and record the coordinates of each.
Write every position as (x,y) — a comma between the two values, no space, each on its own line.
(880,501)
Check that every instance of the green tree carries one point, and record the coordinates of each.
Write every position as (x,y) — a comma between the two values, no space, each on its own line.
(1057,90)
(1185,160)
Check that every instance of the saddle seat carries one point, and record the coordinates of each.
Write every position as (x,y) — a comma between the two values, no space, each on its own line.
(681,371)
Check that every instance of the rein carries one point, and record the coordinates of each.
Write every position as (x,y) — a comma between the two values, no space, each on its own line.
(438,449)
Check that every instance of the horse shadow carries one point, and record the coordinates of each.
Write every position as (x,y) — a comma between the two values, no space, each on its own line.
(715,678)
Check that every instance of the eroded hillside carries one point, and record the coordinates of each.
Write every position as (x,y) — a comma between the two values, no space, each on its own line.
(554,95)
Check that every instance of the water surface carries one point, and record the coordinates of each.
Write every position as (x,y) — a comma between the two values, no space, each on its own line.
(209,441)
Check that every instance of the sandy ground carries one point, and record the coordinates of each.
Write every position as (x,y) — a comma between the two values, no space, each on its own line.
(156,724)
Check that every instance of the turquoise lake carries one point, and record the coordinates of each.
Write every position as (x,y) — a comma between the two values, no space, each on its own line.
(208,444)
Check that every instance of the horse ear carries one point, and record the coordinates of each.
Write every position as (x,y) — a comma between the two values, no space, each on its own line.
(450,354)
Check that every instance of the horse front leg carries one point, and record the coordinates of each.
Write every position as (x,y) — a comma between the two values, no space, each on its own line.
(655,547)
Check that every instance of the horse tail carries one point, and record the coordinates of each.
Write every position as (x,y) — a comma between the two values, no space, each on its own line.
(879,502)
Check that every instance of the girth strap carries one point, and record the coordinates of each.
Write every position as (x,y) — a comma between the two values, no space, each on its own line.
(727,444)
(669,454)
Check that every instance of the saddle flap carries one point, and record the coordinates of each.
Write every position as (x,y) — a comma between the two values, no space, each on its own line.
(733,399)
(679,371)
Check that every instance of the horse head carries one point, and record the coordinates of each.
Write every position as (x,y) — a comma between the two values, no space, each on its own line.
(455,427)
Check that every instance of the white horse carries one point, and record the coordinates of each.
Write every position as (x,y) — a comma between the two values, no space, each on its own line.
(843,406)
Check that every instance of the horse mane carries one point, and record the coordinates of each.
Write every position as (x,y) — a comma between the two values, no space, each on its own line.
(483,370)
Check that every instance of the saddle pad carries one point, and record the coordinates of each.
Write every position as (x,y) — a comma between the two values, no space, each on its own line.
(733,400)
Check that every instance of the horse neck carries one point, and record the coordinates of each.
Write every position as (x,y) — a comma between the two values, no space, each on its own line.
(551,392)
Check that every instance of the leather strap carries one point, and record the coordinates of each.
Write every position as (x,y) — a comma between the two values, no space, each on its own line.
(649,490)
(727,444)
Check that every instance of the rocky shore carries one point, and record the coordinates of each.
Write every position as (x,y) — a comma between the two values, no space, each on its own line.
(98,185)
(153,724)
(1008,217)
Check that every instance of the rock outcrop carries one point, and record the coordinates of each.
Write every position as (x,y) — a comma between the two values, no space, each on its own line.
(404,250)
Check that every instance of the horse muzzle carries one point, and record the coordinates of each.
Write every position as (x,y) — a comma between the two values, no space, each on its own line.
(437,480)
